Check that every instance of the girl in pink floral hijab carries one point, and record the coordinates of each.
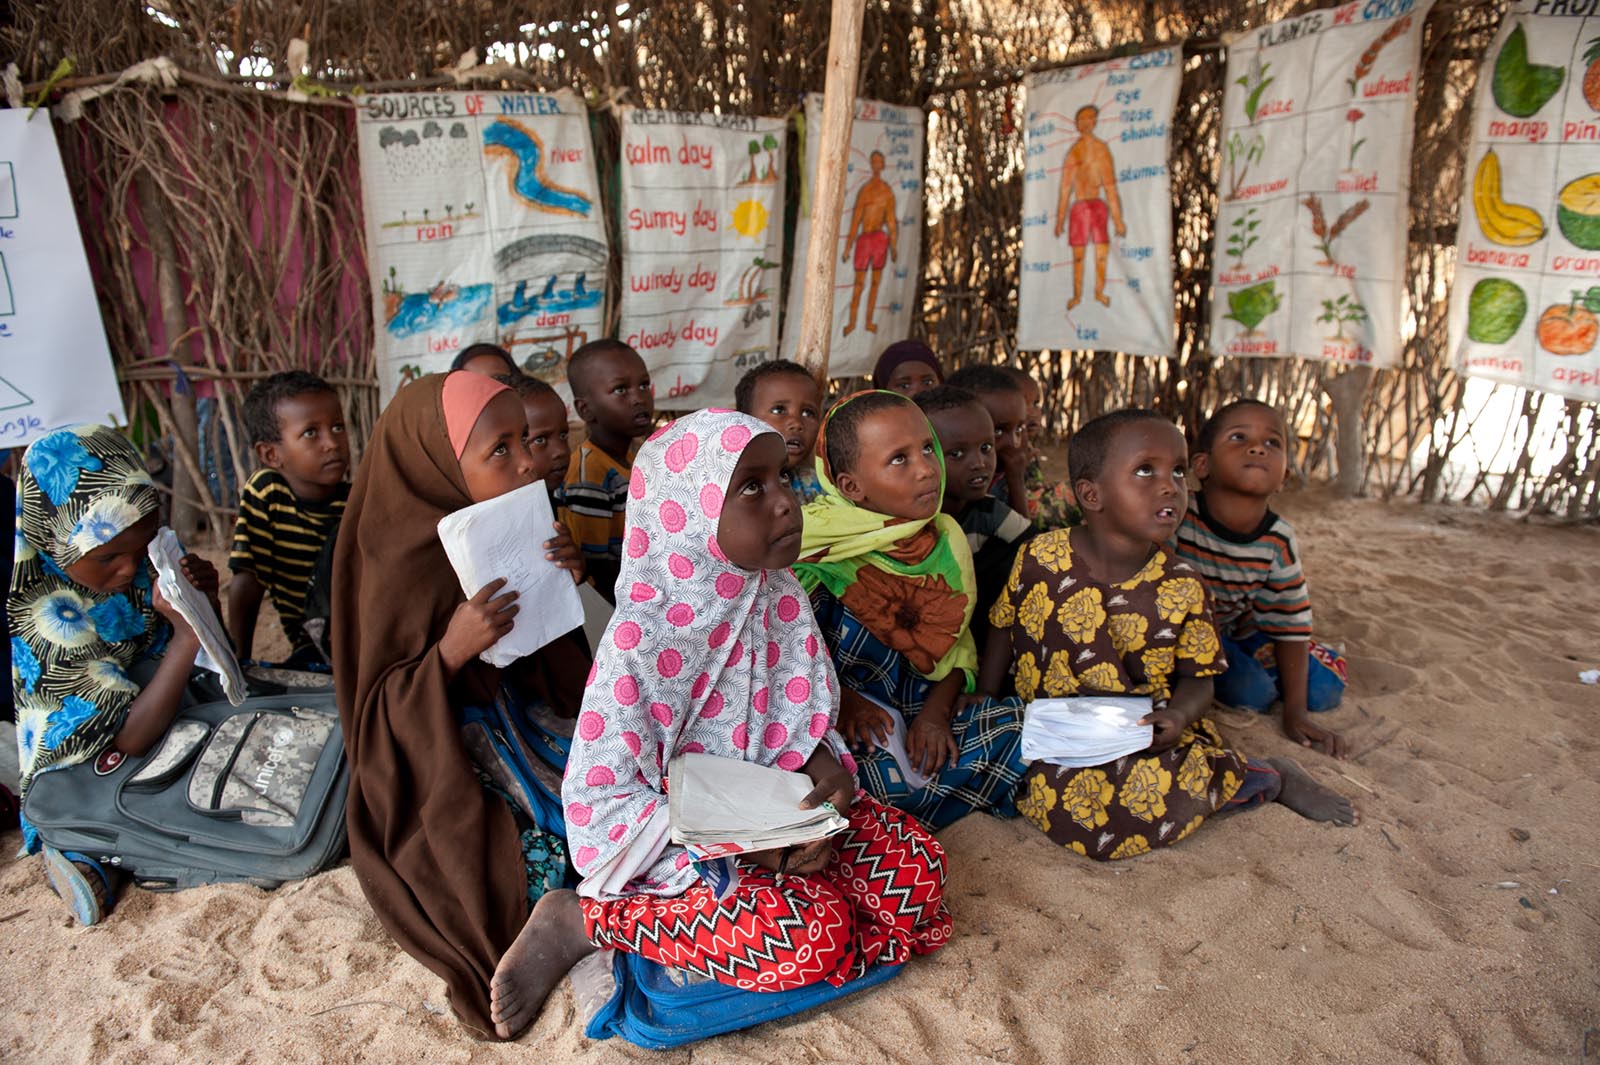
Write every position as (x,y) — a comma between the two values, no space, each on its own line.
(713,649)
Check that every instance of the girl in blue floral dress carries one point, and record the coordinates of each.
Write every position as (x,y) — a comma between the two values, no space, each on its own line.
(86,620)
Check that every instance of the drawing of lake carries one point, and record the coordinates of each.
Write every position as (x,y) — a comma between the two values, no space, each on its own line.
(444,308)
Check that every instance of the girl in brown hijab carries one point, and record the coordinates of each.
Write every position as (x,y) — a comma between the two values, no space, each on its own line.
(447,867)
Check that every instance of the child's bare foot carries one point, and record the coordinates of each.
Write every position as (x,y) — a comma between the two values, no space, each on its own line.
(1306,797)
(551,943)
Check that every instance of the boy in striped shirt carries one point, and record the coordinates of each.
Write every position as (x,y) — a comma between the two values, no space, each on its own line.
(1251,565)
(289,509)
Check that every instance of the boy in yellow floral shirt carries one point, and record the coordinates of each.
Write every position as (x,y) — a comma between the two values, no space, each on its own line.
(1103,609)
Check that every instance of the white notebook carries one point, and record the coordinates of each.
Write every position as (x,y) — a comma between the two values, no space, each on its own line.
(1086,730)
(724,806)
(504,537)
(216,653)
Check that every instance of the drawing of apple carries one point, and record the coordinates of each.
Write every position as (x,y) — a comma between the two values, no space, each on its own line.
(1571,328)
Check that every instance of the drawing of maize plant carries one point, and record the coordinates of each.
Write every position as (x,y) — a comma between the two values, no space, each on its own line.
(1241,152)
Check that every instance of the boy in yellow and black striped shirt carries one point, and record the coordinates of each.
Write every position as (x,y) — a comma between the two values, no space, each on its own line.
(290,508)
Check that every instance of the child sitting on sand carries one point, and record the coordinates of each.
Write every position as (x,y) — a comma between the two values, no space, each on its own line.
(1101,609)
(891,581)
(907,367)
(994,531)
(611,392)
(785,396)
(289,509)
(450,866)
(713,651)
(1003,398)
(1250,562)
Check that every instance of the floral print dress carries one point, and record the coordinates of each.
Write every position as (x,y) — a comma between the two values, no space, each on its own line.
(1072,634)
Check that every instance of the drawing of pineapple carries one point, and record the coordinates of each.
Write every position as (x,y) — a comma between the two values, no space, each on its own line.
(1591,75)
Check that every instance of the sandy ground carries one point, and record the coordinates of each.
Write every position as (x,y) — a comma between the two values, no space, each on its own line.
(1459,923)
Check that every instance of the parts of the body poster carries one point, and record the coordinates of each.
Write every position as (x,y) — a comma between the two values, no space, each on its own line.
(702,249)
(1097,207)
(1315,167)
(484,224)
(1525,309)
(880,235)
(55,367)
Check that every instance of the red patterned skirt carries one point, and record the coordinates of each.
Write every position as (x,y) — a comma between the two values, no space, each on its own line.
(877,902)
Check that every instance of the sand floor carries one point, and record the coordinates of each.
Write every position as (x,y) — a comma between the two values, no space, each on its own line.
(1459,923)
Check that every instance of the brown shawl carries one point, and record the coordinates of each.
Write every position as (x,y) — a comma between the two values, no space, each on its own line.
(437,856)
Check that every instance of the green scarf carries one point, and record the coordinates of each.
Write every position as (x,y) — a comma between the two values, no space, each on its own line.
(910,582)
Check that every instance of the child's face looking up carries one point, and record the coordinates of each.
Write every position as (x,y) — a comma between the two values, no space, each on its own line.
(617,397)
(547,437)
(312,451)
(789,403)
(496,459)
(1009,412)
(1248,455)
(1033,400)
(111,567)
(966,436)
(759,527)
(911,378)
(897,468)
(1139,492)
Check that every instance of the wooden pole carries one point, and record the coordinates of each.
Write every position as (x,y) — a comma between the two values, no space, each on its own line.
(827,185)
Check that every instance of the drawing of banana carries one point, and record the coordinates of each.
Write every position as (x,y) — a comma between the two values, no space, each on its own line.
(1512,224)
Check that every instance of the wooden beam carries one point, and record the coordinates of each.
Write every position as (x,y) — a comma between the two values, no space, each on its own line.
(827,185)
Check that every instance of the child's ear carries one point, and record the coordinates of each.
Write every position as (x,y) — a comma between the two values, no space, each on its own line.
(848,486)
(267,454)
(580,407)
(1088,494)
(1200,465)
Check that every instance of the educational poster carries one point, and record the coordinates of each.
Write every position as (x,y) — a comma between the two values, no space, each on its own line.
(1525,309)
(55,366)
(1315,175)
(484,223)
(880,235)
(702,248)
(1097,207)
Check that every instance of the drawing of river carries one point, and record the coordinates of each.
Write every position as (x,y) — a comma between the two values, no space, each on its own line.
(529,182)
(442,308)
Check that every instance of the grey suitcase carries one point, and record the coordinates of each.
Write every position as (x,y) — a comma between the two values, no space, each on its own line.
(252,793)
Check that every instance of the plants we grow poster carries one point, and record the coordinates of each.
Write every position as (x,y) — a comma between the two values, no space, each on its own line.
(1315,179)
(1525,308)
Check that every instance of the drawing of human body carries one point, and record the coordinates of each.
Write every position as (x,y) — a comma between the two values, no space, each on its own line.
(1088,199)
(873,216)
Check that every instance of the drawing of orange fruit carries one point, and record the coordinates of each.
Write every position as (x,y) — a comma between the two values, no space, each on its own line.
(1571,328)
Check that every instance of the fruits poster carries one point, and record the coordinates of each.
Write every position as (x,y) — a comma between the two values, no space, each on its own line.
(1097,207)
(1525,308)
(880,235)
(55,366)
(484,224)
(1315,176)
(702,249)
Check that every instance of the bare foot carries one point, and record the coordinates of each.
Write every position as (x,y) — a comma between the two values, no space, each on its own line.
(549,944)
(872,327)
(1103,298)
(1073,302)
(851,328)
(1306,797)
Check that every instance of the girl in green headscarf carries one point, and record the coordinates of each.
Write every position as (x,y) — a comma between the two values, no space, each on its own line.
(891,582)
(85,613)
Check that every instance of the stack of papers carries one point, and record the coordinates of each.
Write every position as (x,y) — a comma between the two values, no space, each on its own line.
(504,537)
(722,806)
(216,653)
(1084,731)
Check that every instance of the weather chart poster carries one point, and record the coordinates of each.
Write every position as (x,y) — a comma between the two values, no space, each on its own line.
(1315,176)
(880,235)
(1097,207)
(55,367)
(484,223)
(702,249)
(1525,309)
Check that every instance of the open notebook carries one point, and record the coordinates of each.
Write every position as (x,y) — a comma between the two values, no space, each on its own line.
(1085,730)
(722,806)
(504,537)
(216,653)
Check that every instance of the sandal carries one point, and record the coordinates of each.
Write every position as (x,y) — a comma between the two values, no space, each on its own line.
(65,871)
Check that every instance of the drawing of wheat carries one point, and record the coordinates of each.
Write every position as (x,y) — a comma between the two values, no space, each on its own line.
(1369,58)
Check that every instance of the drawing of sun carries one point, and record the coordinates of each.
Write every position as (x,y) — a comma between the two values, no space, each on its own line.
(750,219)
